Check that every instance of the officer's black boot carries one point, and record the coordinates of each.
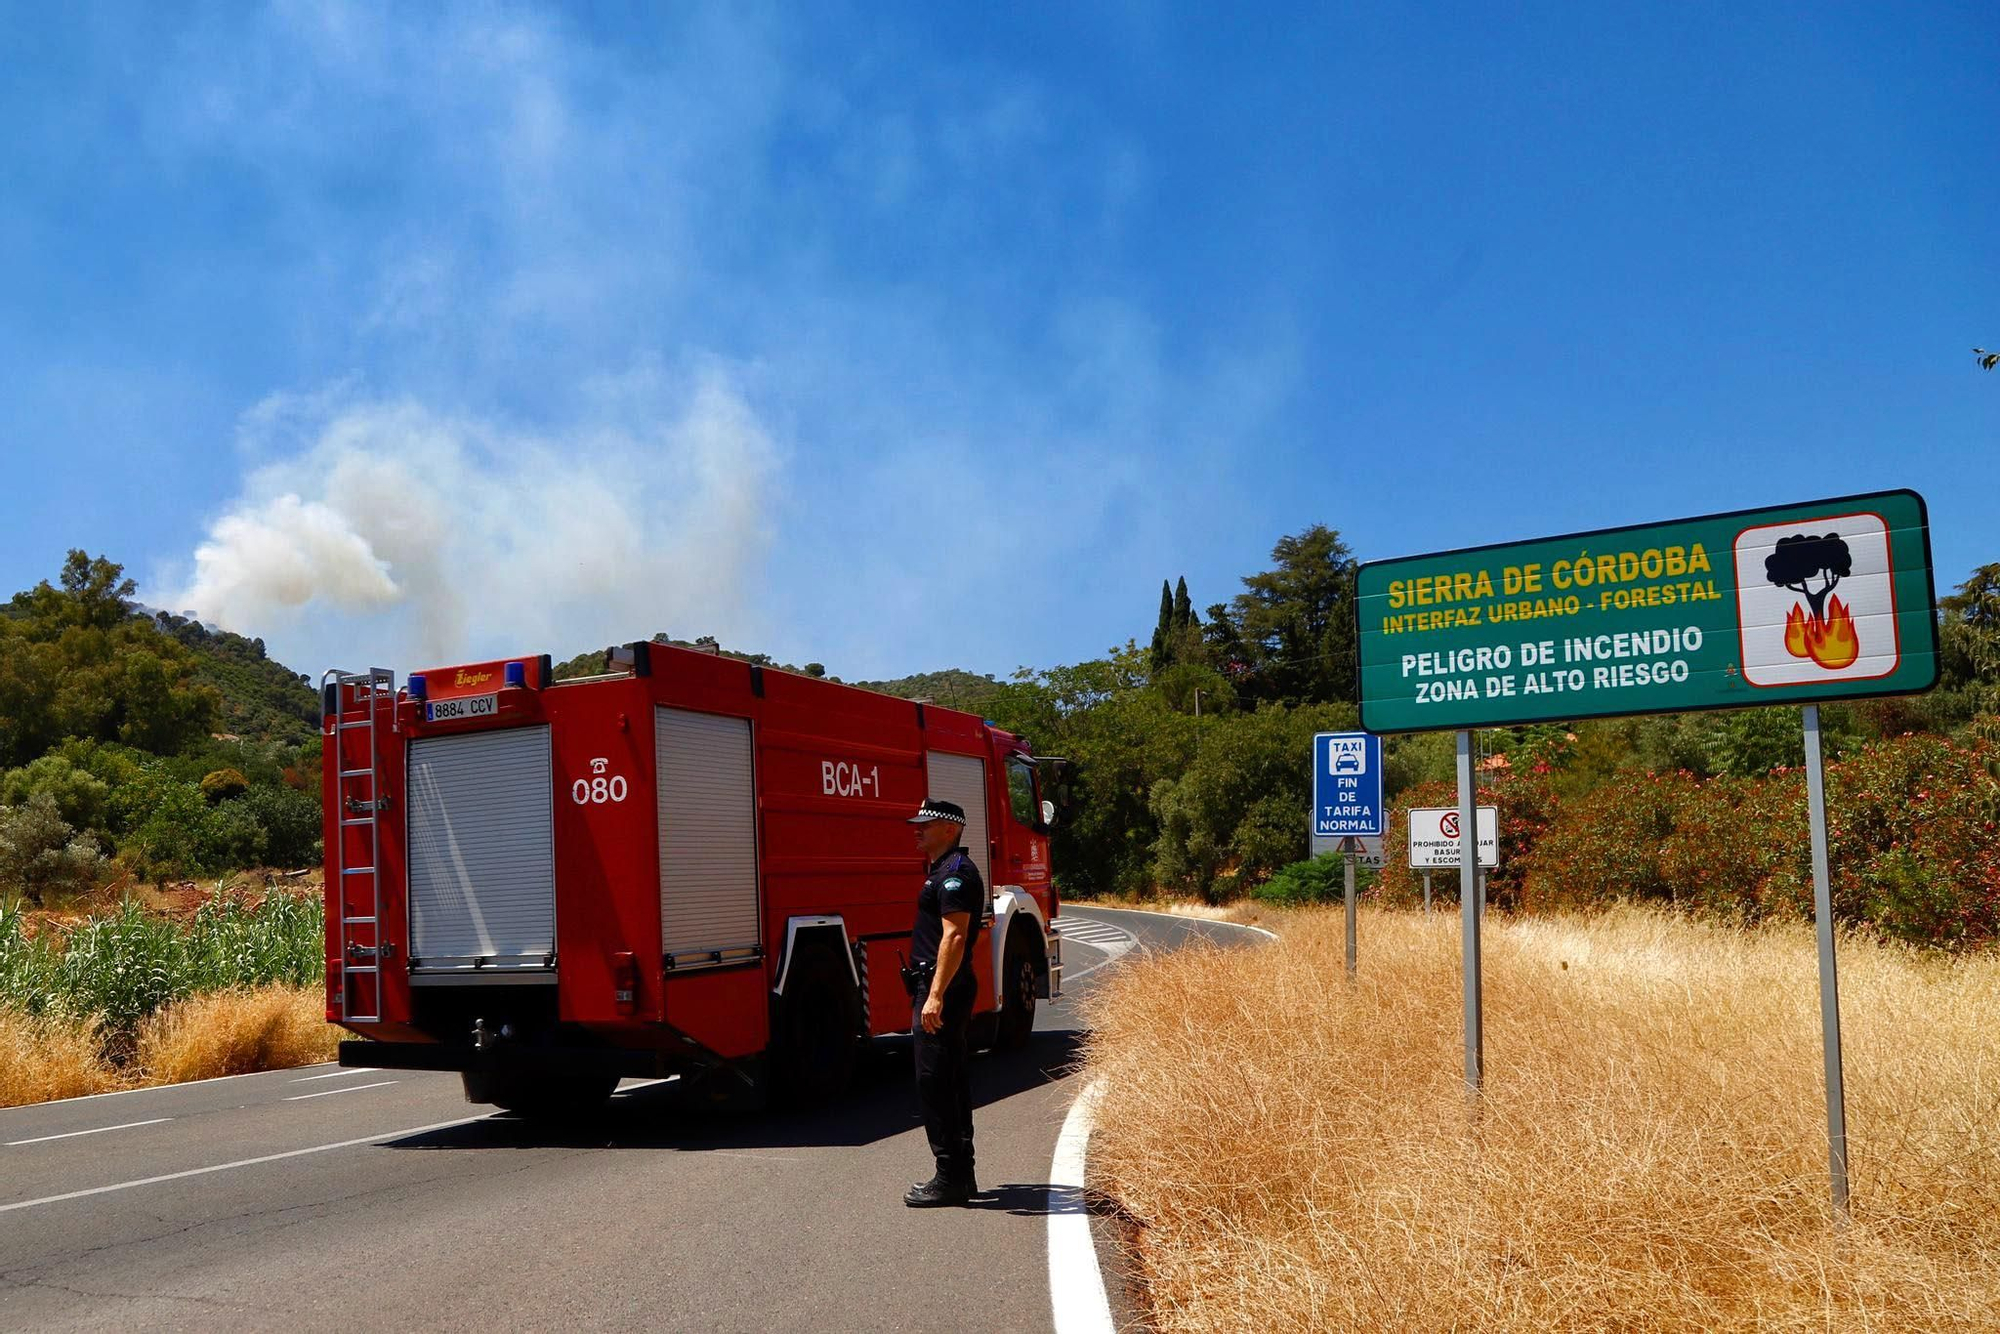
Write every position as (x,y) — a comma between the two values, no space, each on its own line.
(937,1192)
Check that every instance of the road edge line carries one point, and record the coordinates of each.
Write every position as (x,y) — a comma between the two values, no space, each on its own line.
(157,1088)
(1077,1298)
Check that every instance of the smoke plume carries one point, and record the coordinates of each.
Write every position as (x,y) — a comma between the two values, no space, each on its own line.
(388,531)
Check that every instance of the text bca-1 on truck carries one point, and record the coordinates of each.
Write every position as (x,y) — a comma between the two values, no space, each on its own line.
(691,865)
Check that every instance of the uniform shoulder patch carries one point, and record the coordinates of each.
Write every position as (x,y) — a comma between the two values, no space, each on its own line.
(954,883)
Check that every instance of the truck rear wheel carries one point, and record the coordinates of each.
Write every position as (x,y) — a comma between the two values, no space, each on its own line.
(1019,977)
(815,1033)
(539,1098)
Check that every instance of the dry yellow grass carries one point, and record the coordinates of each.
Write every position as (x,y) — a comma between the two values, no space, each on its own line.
(222,1033)
(235,1033)
(1650,1153)
(42,1059)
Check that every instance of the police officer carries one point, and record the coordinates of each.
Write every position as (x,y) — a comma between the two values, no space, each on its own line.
(941,993)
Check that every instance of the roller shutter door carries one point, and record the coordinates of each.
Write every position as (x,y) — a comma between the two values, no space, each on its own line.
(962,779)
(482,855)
(708,838)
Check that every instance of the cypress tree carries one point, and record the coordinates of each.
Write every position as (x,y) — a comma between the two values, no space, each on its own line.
(1163,630)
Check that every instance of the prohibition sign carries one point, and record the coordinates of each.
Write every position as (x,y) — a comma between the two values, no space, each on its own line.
(1448,824)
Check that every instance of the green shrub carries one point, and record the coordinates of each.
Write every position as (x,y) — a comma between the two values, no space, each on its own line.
(1321,879)
(223,784)
(181,834)
(291,822)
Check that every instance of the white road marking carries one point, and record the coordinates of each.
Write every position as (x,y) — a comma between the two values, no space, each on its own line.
(1076,1285)
(240,1162)
(351,1088)
(335,1074)
(1185,919)
(1113,942)
(72,1134)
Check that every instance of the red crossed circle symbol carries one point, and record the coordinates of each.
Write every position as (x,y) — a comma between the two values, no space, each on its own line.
(1448,826)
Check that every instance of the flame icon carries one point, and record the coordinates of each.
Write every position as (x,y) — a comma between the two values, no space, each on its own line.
(1832,643)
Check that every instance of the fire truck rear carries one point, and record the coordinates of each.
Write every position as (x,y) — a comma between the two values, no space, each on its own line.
(690,865)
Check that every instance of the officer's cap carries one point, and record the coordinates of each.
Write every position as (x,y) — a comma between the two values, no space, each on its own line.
(933,809)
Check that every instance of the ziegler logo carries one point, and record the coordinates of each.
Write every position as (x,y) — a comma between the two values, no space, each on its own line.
(465,678)
(598,790)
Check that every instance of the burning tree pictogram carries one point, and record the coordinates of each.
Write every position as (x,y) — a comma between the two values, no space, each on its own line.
(1811,566)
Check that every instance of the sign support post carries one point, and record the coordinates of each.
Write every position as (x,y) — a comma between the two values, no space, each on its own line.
(1468,913)
(1829,976)
(1427,893)
(1348,847)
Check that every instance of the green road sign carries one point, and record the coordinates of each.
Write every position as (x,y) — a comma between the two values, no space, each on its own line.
(1827,600)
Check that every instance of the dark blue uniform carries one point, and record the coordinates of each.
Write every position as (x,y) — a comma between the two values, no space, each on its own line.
(944,1076)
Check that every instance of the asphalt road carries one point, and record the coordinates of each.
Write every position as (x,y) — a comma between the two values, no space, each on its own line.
(321,1198)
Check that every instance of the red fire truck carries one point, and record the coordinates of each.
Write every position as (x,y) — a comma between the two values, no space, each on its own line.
(689,865)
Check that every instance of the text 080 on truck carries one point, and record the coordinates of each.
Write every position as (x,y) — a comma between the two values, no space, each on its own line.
(690,865)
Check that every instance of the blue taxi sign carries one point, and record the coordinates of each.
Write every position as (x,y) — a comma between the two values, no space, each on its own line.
(1347,785)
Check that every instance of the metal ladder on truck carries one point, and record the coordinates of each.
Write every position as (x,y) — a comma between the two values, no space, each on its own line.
(360,702)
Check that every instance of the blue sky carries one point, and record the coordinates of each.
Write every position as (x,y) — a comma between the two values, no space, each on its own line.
(898,336)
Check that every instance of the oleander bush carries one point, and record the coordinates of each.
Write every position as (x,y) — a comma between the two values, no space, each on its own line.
(1913,838)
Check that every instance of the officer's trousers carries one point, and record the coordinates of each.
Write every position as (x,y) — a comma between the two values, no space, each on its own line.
(944,1085)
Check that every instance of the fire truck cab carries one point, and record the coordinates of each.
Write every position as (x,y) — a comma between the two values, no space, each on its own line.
(689,865)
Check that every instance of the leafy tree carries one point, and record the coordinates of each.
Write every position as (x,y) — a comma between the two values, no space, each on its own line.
(82,799)
(1184,613)
(75,663)
(1236,811)
(1297,620)
(94,595)
(1969,648)
(1179,684)
(42,856)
